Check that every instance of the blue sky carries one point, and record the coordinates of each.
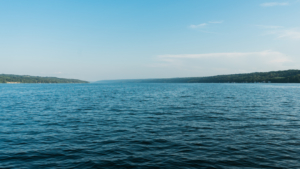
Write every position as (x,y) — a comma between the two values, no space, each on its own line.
(97,40)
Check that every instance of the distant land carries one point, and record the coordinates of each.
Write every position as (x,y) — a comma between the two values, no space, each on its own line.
(7,78)
(286,76)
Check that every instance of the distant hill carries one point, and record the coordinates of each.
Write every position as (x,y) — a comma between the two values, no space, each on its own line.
(286,76)
(6,78)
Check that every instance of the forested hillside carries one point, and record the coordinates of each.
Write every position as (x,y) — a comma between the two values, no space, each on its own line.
(287,76)
(5,78)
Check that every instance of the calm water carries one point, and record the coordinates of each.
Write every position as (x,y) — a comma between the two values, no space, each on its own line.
(150,126)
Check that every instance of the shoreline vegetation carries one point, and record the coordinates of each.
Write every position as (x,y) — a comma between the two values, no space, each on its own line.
(285,76)
(17,79)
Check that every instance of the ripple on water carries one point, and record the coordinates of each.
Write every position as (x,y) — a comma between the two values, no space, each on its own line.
(150,126)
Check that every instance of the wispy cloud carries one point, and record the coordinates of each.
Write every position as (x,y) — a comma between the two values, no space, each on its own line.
(228,62)
(198,26)
(286,34)
(281,32)
(227,55)
(270,4)
(203,25)
(215,22)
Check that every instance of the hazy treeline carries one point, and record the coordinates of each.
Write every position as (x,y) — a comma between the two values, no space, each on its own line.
(287,76)
(5,78)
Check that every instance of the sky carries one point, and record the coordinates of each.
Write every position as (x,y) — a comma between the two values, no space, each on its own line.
(103,40)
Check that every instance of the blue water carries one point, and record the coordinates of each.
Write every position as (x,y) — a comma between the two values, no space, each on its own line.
(150,126)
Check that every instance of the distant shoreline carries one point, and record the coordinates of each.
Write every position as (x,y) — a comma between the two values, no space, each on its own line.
(44,83)
(21,79)
(285,76)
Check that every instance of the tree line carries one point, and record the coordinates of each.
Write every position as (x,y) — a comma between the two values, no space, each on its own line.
(286,76)
(6,78)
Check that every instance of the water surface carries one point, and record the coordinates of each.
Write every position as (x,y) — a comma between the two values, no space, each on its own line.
(149,126)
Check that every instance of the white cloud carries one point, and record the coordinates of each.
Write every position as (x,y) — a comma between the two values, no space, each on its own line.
(202,25)
(224,55)
(205,24)
(288,34)
(231,62)
(215,22)
(198,26)
(280,32)
(270,4)
(292,34)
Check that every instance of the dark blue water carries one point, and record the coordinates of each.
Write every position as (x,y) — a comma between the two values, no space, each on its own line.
(150,126)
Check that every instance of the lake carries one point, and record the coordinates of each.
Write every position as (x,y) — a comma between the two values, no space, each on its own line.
(150,125)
